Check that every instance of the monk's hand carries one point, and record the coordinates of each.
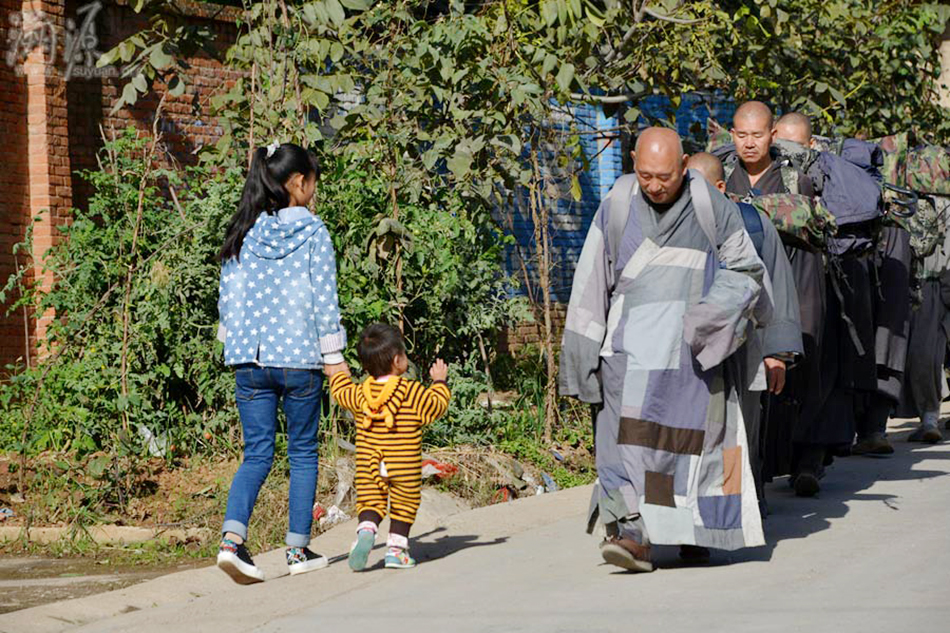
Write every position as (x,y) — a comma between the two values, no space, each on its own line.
(775,373)
(336,368)
(439,371)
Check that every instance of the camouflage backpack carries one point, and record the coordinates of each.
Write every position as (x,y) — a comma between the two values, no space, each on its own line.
(928,170)
(717,136)
(895,158)
(801,221)
(925,219)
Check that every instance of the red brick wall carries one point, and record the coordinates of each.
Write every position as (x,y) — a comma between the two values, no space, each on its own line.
(51,128)
(48,142)
(185,124)
(14,185)
(515,338)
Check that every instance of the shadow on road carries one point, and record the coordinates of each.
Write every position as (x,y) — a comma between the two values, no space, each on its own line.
(843,486)
(428,546)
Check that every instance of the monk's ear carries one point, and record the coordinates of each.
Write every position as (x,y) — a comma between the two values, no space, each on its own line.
(721,186)
(685,160)
(774,133)
(633,156)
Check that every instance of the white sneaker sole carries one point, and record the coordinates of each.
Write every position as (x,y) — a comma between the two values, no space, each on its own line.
(239,571)
(616,555)
(310,565)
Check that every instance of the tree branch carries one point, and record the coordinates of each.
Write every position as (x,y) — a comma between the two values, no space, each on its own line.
(623,98)
(666,18)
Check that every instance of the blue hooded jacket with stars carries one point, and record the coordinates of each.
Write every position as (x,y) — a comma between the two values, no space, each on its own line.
(277,303)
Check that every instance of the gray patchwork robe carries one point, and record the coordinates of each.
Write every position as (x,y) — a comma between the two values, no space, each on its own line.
(646,334)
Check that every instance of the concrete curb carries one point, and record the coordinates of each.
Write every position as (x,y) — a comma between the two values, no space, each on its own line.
(439,517)
(104,534)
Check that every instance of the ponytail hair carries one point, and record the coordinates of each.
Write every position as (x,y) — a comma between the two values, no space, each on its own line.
(264,191)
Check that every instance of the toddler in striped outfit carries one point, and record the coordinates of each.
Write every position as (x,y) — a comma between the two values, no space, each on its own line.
(390,412)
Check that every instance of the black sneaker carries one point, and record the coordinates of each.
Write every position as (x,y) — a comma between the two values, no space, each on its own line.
(300,560)
(234,559)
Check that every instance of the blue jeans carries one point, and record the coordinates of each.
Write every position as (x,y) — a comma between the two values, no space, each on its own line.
(257,391)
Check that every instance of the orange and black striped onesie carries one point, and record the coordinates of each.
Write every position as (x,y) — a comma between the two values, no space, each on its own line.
(389,420)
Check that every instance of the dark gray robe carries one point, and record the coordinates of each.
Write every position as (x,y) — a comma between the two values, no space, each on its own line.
(924,376)
(865,338)
(783,411)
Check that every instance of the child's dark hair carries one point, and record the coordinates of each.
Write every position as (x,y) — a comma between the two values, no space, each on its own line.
(378,347)
(264,191)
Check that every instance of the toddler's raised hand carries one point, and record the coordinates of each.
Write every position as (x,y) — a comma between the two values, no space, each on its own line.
(439,371)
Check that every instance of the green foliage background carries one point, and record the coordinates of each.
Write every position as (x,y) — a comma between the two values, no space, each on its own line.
(453,290)
(451,119)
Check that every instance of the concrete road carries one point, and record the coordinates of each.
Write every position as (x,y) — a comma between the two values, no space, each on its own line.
(871,553)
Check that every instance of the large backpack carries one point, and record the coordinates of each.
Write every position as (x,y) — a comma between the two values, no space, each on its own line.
(894,149)
(926,226)
(845,174)
(928,170)
(848,188)
(922,209)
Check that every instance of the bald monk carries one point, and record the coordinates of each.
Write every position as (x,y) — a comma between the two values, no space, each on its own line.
(859,388)
(778,343)
(663,293)
(790,447)
(796,127)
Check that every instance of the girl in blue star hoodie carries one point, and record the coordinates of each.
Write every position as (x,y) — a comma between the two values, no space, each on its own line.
(280,324)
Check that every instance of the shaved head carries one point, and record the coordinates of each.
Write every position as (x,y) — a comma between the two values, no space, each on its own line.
(753,135)
(708,165)
(754,110)
(660,164)
(660,139)
(794,126)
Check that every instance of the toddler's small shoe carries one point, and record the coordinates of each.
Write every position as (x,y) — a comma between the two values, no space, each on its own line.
(235,561)
(362,546)
(398,558)
(300,560)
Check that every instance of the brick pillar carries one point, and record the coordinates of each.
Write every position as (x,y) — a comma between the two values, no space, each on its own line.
(14,185)
(48,148)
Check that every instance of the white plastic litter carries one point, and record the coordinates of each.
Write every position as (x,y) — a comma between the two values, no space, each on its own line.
(156,445)
(333,516)
(428,470)
(533,484)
